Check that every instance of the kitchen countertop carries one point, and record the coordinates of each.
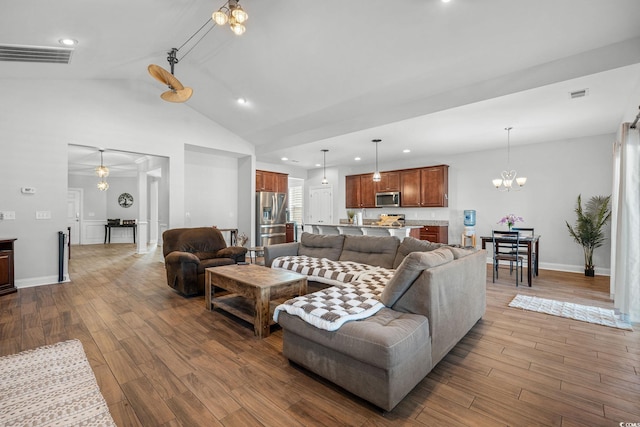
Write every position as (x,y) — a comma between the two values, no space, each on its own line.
(366,226)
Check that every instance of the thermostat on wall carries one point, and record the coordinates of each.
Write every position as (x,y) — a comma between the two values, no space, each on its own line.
(28,190)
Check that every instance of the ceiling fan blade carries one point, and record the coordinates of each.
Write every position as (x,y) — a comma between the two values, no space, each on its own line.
(181,95)
(163,76)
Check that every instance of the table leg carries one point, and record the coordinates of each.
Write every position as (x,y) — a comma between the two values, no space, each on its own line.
(134,234)
(537,256)
(207,290)
(106,227)
(529,262)
(261,322)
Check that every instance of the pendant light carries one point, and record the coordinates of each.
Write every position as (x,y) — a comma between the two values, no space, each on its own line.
(376,175)
(505,183)
(102,171)
(324,167)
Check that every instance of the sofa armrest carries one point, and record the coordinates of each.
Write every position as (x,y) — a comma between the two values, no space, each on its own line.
(237,253)
(178,257)
(452,296)
(272,252)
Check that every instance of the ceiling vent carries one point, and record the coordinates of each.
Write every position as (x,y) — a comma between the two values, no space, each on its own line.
(51,55)
(579,93)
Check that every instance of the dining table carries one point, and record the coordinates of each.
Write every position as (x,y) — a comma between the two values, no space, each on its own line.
(533,246)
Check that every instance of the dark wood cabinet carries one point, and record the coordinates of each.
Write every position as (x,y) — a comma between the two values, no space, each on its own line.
(360,191)
(7,280)
(410,188)
(434,186)
(435,233)
(272,181)
(425,187)
(389,181)
(289,232)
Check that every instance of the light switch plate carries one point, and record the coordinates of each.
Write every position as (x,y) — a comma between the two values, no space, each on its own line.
(43,214)
(8,215)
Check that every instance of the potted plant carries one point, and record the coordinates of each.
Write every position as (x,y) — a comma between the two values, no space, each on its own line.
(588,228)
(350,214)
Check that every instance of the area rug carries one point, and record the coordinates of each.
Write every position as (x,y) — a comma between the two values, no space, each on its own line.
(51,386)
(585,313)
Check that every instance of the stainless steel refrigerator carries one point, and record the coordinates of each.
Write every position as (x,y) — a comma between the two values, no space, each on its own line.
(271,218)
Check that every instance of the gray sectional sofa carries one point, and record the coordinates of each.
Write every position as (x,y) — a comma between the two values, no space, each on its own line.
(434,295)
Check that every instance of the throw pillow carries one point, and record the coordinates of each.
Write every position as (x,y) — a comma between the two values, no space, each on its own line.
(411,244)
(409,270)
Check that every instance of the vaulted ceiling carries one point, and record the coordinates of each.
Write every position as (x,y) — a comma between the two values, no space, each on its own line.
(433,77)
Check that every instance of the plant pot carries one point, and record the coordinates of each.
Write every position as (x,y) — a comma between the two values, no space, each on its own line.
(589,271)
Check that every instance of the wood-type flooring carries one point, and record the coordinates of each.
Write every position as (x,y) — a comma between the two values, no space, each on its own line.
(163,360)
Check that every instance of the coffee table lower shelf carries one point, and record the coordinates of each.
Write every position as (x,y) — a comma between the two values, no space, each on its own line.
(254,291)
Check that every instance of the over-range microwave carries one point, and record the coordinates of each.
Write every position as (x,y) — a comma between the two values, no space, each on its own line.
(390,198)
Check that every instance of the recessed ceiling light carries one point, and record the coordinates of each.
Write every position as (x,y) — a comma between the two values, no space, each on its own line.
(357,159)
(406,150)
(318,165)
(242,101)
(284,159)
(68,42)
(446,1)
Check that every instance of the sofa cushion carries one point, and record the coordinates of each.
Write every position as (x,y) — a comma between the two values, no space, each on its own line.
(373,250)
(460,252)
(409,270)
(384,340)
(411,244)
(321,245)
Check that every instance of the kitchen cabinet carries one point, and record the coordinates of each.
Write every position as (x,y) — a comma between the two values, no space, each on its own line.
(435,233)
(389,181)
(7,282)
(360,191)
(272,181)
(289,232)
(425,187)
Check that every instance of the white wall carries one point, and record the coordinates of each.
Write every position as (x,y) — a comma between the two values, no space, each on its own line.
(41,118)
(557,172)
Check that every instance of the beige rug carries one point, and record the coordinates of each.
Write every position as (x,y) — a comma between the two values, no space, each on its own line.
(585,313)
(51,386)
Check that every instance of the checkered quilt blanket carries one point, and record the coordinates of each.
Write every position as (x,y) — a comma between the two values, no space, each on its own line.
(330,308)
(323,270)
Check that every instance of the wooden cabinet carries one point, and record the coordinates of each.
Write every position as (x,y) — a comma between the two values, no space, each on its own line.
(425,187)
(360,191)
(389,181)
(289,232)
(434,186)
(435,233)
(7,281)
(272,181)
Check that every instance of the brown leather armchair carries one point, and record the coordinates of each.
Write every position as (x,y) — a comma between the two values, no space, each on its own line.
(188,251)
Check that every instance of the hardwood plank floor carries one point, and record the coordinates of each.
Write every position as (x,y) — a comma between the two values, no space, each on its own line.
(163,360)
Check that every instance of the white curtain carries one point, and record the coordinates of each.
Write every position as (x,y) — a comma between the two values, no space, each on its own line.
(625,224)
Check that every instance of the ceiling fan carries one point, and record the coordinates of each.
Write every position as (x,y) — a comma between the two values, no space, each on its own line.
(177,92)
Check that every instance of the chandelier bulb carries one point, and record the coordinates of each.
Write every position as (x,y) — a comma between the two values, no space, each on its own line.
(220,17)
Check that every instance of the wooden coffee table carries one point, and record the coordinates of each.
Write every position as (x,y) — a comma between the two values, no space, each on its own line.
(256,283)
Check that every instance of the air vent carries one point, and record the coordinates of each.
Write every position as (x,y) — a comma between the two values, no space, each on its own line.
(579,93)
(52,55)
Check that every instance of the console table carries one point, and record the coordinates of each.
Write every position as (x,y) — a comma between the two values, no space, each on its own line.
(108,227)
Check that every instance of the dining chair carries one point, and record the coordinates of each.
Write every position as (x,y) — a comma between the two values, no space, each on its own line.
(529,232)
(509,251)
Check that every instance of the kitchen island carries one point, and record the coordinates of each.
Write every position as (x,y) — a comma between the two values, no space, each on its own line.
(369,230)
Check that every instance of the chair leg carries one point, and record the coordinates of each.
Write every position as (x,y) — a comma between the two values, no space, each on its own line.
(494,268)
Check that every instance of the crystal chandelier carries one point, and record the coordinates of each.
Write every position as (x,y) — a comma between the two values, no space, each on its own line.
(103,185)
(324,181)
(102,171)
(232,13)
(376,175)
(505,183)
